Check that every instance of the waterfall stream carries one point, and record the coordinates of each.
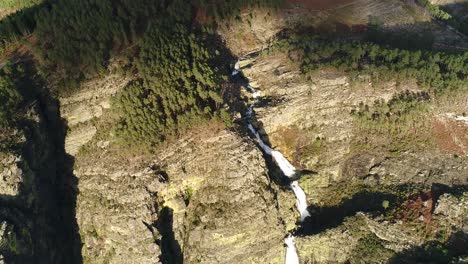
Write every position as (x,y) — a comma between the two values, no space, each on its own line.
(286,167)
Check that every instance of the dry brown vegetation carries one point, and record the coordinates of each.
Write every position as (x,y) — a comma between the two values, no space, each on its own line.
(317,4)
(450,136)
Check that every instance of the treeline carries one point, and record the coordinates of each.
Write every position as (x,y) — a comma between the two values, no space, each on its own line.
(178,84)
(17,25)
(460,23)
(399,114)
(434,10)
(77,37)
(438,71)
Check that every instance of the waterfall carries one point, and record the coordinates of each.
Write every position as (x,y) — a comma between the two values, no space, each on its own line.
(291,252)
(236,69)
(285,166)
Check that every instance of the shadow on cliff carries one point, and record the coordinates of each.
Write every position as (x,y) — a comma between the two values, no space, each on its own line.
(232,93)
(275,173)
(55,232)
(171,252)
(435,251)
(41,219)
(323,218)
(372,201)
(428,35)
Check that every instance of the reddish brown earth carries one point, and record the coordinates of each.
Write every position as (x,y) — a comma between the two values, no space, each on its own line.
(317,4)
(450,136)
(419,208)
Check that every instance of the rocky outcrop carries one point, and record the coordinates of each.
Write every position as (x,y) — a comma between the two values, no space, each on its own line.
(421,168)
(452,212)
(10,175)
(256,29)
(114,209)
(37,215)
(310,111)
(231,214)
(308,118)
(206,197)
(80,108)
(212,190)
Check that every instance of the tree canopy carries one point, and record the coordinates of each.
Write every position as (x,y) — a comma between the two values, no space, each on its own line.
(437,71)
(178,84)
(10,97)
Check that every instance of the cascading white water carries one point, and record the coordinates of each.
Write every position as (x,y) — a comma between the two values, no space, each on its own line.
(236,69)
(291,252)
(285,166)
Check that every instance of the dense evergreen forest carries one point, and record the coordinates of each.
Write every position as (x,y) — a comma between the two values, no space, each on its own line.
(77,37)
(18,87)
(178,85)
(437,71)
(87,33)
(171,60)
(10,96)
(397,116)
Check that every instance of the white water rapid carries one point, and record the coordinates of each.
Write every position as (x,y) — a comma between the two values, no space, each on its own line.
(291,252)
(286,167)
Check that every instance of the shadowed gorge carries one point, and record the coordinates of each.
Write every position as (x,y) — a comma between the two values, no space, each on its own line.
(56,188)
(323,218)
(170,248)
(253,131)
(434,252)
(43,228)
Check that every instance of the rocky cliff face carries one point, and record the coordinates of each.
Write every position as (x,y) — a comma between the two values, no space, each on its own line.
(204,198)
(38,192)
(310,121)
(231,211)
(209,196)
(10,175)
(255,30)
(211,192)
(308,118)
(80,109)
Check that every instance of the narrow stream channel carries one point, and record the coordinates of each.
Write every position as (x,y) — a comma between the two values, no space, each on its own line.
(286,167)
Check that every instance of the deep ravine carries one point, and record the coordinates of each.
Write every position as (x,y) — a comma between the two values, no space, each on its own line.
(286,167)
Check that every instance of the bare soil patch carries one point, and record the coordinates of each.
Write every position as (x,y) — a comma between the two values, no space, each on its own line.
(450,136)
(419,208)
